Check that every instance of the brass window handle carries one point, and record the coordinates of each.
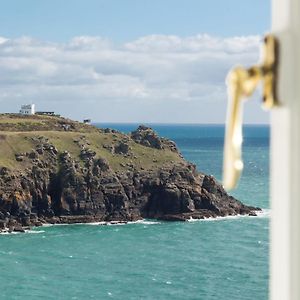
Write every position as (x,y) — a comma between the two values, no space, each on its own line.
(242,83)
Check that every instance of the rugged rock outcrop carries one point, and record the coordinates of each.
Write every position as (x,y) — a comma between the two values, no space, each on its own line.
(56,187)
(60,191)
(146,136)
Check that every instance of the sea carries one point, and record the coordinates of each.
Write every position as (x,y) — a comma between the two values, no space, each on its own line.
(213,259)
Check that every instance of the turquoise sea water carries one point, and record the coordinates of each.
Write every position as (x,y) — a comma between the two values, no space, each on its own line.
(212,259)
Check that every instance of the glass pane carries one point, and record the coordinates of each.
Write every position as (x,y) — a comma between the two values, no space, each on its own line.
(119,64)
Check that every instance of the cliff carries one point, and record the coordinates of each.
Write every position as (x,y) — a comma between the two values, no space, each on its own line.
(55,170)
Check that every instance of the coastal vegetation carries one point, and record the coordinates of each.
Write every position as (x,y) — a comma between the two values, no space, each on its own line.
(20,134)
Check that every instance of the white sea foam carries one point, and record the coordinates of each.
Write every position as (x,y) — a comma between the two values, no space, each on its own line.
(34,231)
(92,223)
(265,213)
(150,223)
(144,222)
(6,232)
(113,223)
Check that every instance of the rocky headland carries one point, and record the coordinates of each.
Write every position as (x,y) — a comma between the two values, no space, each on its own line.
(55,170)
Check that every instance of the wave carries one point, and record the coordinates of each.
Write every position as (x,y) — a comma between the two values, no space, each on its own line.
(35,231)
(147,222)
(144,222)
(7,232)
(112,223)
(264,213)
(19,232)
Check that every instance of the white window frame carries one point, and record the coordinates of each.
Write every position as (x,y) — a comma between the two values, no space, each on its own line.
(285,152)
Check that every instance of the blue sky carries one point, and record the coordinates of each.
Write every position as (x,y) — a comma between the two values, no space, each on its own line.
(128,60)
(123,20)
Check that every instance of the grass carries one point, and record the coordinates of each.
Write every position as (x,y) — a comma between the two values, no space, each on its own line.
(13,142)
(16,123)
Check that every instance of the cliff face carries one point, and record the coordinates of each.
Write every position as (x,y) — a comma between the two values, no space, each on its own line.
(53,185)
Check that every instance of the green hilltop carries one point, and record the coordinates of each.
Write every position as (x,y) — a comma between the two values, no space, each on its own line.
(20,135)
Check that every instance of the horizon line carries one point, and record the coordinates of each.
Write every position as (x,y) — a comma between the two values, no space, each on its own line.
(174,123)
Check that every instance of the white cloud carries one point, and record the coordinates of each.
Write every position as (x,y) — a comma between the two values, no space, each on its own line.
(92,76)
(199,43)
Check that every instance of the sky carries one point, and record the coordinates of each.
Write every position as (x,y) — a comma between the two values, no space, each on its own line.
(151,61)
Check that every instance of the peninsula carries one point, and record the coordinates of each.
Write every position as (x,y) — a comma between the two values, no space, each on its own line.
(55,170)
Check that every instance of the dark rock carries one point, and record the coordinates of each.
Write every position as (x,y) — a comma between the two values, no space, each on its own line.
(33,155)
(40,150)
(173,218)
(252,214)
(121,148)
(110,148)
(87,154)
(146,136)
(4,171)
(19,158)
(17,228)
(102,163)
(2,225)
(109,130)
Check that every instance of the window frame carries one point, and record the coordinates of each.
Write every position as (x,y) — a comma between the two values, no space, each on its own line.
(285,152)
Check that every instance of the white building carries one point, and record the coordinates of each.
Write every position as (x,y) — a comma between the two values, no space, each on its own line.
(27,109)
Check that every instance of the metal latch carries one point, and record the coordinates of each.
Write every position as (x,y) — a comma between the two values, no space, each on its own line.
(241,83)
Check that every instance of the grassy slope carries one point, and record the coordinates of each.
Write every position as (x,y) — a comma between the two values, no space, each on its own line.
(14,140)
